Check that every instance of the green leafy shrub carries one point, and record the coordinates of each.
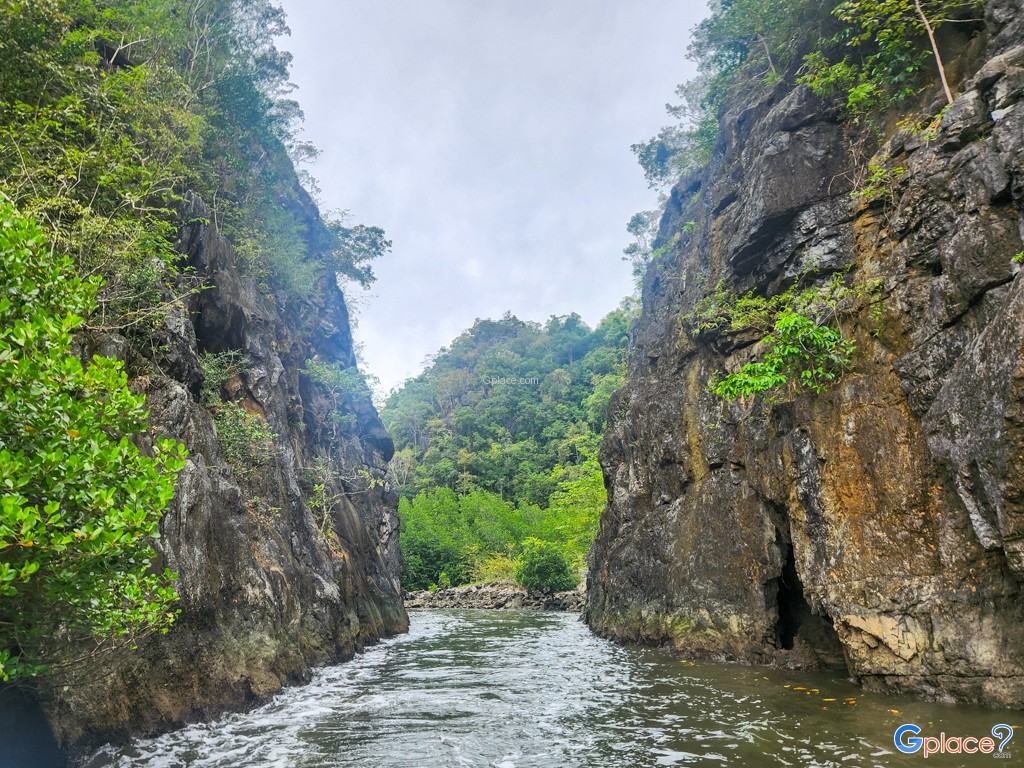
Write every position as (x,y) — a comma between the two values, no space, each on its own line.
(800,351)
(804,348)
(245,439)
(79,501)
(543,568)
(217,368)
(497,567)
(880,184)
(97,152)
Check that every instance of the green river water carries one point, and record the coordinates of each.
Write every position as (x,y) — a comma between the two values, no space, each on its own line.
(517,689)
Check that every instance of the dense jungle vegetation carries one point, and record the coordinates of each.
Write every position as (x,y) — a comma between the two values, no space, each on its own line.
(497,446)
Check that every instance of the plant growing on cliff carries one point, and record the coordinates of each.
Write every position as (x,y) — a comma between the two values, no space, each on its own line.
(750,39)
(802,345)
(79,501)
(880,184)
(802,352)
(685,146)
(245,439)
(111,110)
(643,226)
(325,479)
(890,42)
(344,387)
(95,149)
(322,500)
(218,368)
(341,383)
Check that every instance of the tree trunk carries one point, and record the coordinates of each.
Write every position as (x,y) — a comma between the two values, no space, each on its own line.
(935,50)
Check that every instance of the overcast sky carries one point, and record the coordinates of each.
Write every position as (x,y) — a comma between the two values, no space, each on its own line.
(490,139)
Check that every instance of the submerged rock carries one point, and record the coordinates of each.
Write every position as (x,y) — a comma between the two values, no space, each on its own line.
(878,526)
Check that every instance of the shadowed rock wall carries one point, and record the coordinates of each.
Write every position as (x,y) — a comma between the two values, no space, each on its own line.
(879,526)
(267,589)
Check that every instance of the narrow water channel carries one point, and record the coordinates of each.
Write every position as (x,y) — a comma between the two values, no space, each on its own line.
(515,689)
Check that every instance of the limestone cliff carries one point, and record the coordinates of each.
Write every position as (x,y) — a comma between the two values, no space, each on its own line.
(267,587)
(879,525)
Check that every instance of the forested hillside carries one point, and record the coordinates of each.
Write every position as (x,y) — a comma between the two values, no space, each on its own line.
(497,442)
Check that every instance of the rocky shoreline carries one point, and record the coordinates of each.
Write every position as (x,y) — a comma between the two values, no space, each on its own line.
(496,596)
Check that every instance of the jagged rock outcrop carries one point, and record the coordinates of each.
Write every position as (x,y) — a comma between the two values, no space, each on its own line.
(269,586)
(879,525)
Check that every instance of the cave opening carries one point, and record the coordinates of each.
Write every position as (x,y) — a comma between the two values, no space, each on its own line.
(799,627)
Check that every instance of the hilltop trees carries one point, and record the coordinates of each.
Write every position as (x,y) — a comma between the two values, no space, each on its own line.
(110,111)
(887,38)
(869,54)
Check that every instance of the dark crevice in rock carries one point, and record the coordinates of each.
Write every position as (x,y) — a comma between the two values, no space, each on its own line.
(976,300)
(792,606)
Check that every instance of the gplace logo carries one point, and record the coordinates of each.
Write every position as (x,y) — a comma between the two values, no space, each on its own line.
(909,741)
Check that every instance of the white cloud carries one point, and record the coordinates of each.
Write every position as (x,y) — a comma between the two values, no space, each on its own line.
(490,138)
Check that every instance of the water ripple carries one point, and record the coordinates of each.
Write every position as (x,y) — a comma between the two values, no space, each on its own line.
(525,690)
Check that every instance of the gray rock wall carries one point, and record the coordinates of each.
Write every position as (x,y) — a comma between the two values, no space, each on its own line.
(266,589)
(877,526)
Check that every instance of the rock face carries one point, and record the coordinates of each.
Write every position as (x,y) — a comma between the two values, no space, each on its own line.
(270,583)
(880,525)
